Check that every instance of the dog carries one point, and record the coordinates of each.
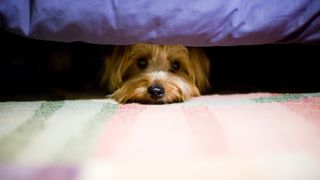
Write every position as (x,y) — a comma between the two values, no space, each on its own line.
(155,74)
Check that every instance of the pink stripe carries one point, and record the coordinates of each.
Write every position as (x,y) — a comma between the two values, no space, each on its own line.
(157,131)
(234,96)
(139,131)
(118,128)
(207,131)
(308,108)
(264,128)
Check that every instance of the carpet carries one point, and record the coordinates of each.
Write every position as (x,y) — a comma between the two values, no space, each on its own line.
(239,136)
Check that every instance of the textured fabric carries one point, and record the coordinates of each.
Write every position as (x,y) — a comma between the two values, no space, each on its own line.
(194,23)
(248,136)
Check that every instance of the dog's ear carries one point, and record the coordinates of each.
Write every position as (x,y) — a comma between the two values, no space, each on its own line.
(112,71)
(201,67)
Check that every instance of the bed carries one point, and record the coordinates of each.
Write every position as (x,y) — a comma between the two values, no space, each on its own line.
(192,23)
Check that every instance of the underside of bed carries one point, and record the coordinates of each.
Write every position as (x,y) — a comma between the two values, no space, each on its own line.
(28,72)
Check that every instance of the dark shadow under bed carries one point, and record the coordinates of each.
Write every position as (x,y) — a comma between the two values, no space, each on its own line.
(26,71)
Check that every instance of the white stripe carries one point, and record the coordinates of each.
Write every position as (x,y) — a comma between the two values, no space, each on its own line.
(61,126)
(13,114)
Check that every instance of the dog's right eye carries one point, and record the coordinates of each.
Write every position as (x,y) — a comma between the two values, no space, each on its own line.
(142,63)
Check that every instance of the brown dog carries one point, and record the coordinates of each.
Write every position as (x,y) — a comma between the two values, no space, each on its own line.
(156,74)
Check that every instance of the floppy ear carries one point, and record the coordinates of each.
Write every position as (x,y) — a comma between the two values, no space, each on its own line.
(112,71)
(201,67)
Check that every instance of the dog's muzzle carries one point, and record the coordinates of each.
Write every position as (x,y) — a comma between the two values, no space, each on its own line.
(156,91)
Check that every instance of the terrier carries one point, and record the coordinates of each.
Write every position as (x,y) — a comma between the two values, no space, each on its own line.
(155,74)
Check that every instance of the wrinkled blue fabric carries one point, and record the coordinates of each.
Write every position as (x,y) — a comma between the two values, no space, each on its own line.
(193,23)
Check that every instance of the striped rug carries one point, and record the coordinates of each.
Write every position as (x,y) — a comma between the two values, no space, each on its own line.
(240,136)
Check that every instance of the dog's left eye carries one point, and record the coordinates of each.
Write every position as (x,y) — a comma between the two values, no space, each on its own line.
(142,63)
(175,66)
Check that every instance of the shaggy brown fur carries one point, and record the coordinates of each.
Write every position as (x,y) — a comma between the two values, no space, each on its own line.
(149,73)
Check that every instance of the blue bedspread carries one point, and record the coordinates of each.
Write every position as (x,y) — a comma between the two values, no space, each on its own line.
(193,23)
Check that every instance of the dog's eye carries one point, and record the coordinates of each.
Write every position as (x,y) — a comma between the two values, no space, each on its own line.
(142,63)
(175,66)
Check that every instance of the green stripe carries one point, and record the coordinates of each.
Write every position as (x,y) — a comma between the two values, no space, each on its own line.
(280,98)
(11,144)
(79,147)
(312,94)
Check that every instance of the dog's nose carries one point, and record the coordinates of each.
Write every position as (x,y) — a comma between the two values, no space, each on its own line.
(156,91)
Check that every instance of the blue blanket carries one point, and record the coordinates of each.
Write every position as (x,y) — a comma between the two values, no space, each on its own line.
(193,23)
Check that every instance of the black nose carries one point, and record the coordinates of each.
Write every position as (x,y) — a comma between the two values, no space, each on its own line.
(156,91)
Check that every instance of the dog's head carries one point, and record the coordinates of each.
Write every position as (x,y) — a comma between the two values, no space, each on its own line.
(148,73)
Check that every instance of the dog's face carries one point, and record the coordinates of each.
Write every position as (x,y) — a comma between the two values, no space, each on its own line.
(156,74)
